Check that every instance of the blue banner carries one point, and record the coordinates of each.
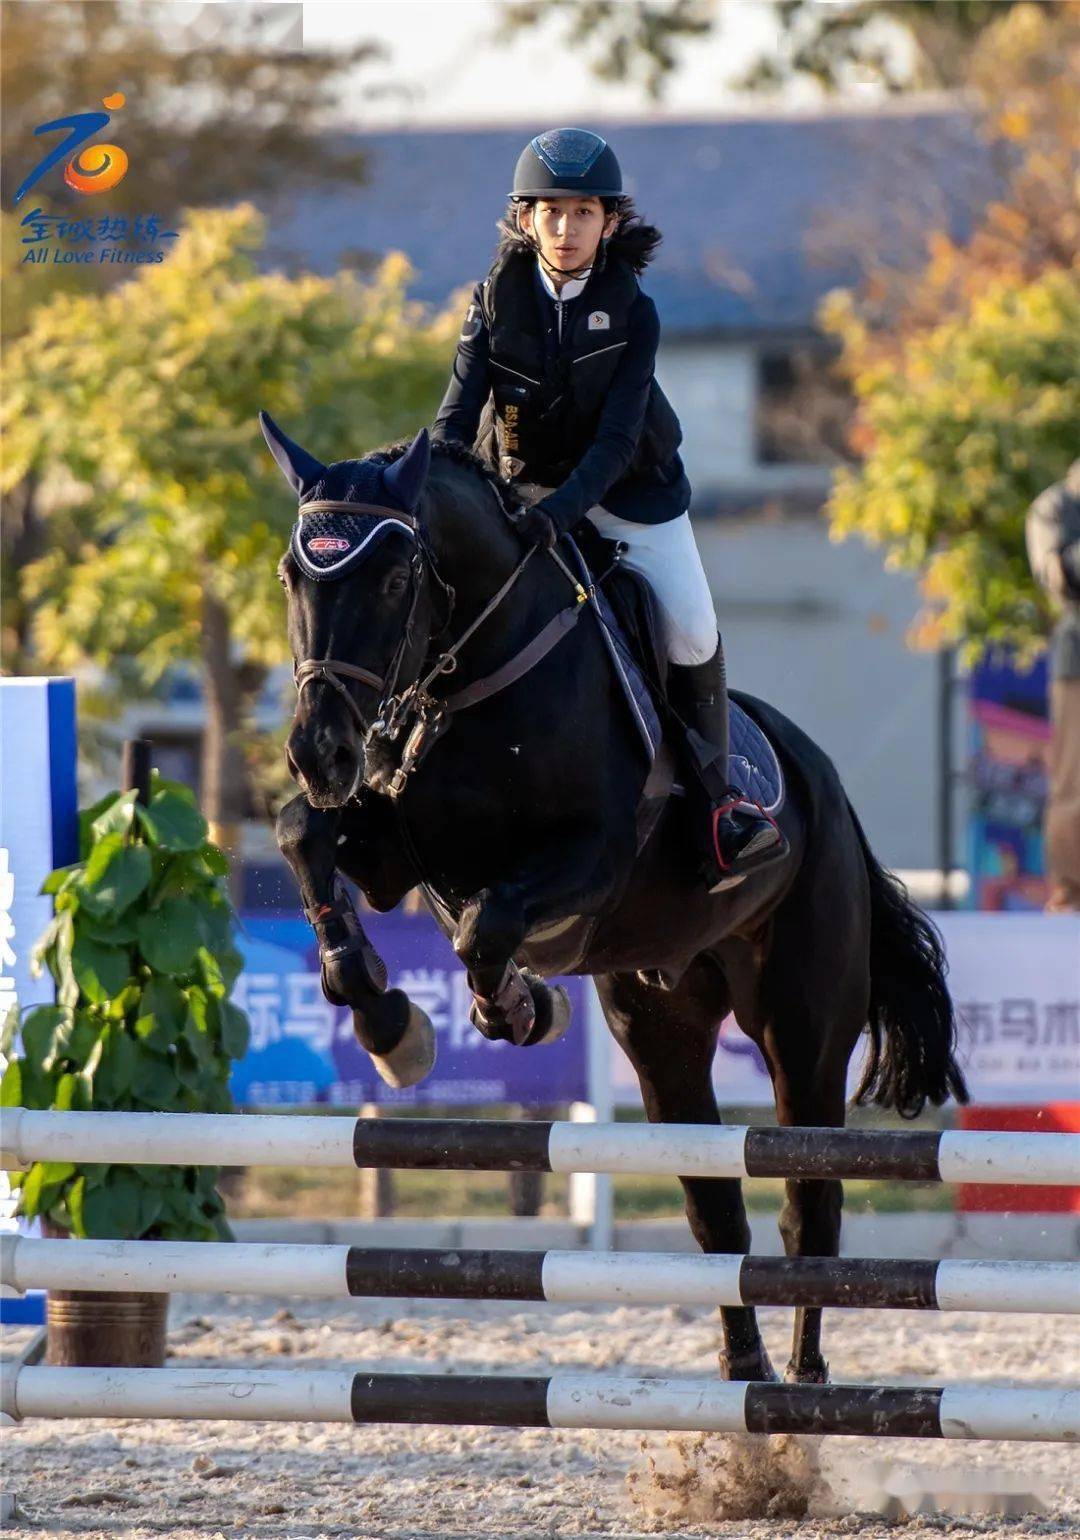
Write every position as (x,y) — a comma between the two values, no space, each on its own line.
(303,1050)
(1008,776)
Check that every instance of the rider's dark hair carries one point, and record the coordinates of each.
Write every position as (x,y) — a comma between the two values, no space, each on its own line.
(634,241)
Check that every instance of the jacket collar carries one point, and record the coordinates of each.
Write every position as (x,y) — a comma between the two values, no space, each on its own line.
(570,289)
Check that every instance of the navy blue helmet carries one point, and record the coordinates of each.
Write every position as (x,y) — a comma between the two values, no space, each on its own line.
(566,161)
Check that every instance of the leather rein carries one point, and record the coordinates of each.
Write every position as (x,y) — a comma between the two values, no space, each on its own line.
(430,714)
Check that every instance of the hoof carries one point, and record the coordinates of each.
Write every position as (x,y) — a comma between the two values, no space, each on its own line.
(808,1374)
(751,1365)
(553,1012)
(413,1059)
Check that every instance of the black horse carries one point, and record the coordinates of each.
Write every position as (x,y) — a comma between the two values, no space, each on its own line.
(520,818)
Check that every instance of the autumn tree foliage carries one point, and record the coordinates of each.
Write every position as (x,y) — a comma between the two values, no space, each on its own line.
(967,375)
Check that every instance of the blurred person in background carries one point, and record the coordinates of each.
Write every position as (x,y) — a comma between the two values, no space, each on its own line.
(1053,542)
(554,386)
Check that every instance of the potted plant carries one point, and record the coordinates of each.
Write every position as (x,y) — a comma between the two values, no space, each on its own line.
(141,951)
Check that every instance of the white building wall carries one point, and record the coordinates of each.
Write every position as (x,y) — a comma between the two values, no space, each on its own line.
(713,389)
(817,630)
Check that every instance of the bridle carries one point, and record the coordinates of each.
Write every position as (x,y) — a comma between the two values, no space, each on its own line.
(429,714)
(334,671)
(396,708)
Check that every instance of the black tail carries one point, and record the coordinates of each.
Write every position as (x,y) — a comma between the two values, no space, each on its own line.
(911,1059)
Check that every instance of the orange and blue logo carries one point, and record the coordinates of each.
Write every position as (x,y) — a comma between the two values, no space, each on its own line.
(92,170)
(88,169)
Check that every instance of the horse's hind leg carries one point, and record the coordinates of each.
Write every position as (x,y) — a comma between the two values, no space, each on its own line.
(670,1038)
(814,996)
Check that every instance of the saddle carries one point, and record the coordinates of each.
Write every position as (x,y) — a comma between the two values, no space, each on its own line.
(633,632)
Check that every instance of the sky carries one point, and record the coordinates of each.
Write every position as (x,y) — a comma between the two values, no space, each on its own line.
(444,65)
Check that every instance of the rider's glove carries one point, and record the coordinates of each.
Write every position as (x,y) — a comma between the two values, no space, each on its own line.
(537,527)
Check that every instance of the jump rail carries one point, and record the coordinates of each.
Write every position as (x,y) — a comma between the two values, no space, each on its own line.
(566,1277)
(188,1138)
(694,1404)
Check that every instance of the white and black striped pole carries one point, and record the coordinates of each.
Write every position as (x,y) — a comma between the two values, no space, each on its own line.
(562,1277)
(456,1144)
(563,1400)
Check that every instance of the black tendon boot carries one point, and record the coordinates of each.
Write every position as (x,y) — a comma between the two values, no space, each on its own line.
(739,837)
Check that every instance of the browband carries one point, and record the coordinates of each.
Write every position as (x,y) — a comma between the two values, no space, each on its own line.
(332,505)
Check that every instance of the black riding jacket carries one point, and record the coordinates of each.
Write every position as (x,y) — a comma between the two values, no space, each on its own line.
(563,393)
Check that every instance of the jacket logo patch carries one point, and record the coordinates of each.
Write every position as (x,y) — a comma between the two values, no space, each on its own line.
(599,321)
(471,325)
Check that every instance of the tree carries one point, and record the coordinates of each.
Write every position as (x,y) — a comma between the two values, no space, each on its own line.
(962,426)
(137,413)
(967,374)
(212,103)
(1022,76)
(900,44)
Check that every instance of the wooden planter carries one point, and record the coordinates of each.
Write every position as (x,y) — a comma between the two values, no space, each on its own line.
(89,1328)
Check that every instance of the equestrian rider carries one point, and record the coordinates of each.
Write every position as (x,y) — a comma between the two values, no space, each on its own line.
(553,384)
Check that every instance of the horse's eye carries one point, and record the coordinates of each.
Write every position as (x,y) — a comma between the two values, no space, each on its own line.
(396,584)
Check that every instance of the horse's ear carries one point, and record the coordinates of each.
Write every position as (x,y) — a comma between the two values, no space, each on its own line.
(404,479)
(300,469)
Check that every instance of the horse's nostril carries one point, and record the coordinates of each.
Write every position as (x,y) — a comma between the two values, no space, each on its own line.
(342,758)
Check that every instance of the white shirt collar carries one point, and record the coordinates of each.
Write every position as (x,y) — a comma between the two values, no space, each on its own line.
(570,289)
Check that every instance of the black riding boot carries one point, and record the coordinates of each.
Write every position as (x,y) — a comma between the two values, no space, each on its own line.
(741,838)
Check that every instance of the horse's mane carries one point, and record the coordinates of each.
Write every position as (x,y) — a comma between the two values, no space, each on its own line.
(458,454)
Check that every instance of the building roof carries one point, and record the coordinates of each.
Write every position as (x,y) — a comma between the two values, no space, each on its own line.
(761,215)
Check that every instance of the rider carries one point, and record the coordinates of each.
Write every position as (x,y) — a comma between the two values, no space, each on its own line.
(553,383)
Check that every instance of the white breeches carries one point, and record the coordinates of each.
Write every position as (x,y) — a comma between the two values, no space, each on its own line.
(667,555)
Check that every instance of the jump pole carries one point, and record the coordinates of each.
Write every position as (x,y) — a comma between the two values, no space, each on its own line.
(695,1404)
(560,1277)
(187,1138)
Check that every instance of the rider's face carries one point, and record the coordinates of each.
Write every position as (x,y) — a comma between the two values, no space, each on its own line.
(568,230)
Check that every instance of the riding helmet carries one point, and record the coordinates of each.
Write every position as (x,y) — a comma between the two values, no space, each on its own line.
(566,161)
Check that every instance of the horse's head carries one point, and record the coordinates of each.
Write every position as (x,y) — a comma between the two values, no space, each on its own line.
(359,586)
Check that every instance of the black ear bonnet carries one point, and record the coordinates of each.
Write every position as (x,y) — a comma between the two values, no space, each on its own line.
(330,539)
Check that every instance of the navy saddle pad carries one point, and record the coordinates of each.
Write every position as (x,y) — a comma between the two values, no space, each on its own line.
(755,769)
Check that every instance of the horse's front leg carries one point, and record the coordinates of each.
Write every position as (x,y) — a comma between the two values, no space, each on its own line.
(396,1033)
(508,1004)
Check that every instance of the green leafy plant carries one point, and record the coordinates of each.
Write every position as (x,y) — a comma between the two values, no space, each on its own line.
(141,951)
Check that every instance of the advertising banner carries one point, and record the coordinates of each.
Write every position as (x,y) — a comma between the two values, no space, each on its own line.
(303,1049)
(1015,982)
